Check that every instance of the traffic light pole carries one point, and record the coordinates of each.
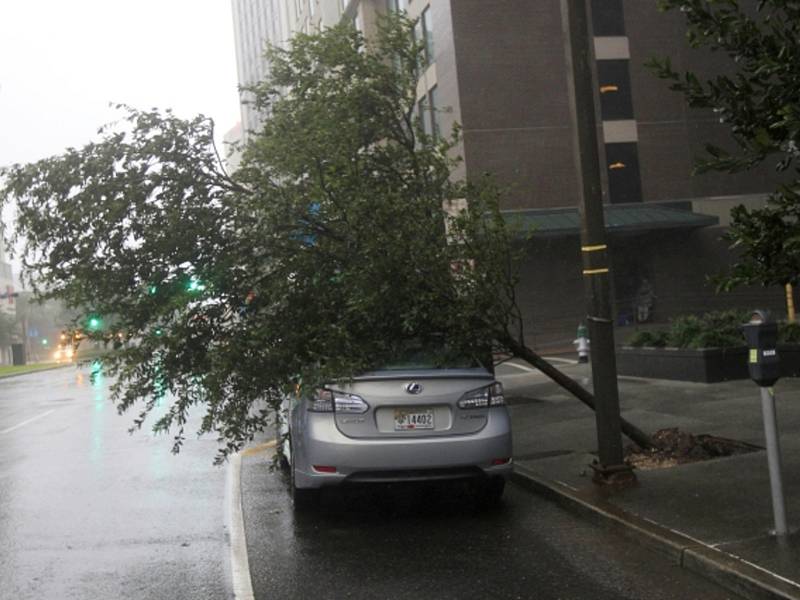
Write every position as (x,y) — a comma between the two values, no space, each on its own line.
(611,467)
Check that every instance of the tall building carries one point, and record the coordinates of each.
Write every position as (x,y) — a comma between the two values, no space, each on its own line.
(256,23)
(499,70)
(7,283)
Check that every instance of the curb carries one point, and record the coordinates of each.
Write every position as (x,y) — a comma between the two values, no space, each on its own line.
(729,571)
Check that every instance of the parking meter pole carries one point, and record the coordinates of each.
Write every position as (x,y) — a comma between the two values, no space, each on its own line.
(774,459)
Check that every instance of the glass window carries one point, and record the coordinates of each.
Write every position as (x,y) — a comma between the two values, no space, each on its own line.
(426,110)
(422,113)
(398,5)
(433,105)
(423,31)
(311,5)
(427,26)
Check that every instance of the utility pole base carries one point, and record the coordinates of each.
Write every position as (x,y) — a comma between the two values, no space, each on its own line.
(619,476)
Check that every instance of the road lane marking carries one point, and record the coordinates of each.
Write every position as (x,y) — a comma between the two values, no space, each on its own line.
(240,566)
(31,420)
(550,359)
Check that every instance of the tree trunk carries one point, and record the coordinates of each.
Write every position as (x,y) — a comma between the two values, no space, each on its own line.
(573,387)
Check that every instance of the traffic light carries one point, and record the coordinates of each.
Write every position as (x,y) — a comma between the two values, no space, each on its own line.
(95,323)
(195,285)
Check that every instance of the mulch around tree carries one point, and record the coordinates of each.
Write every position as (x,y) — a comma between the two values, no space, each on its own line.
(674,447)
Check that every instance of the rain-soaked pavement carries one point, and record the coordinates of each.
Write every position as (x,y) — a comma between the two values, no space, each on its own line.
(422,543)
(89,512)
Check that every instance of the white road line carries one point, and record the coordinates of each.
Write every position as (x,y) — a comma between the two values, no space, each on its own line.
(240,566)
(563,361)
(551,359)
(31,420)
(519,366)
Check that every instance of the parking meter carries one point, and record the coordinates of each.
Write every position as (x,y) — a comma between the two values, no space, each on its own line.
(762,339)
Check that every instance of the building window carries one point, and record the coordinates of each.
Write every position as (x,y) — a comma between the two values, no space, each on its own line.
(624,181)
(608,18)
(427,112)
(424,33)
(398,5)
(615,90)
(311,6)
(433,103)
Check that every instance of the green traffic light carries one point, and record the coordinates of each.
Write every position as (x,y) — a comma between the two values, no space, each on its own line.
(195,285)
(95,323)
(44,342)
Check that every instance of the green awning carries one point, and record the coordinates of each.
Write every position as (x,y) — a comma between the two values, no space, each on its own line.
(620,218)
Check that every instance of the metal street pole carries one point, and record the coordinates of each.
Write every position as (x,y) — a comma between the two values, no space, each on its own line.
(575,19)
(774,460)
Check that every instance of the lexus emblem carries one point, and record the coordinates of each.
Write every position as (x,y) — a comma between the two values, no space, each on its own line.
(413,387)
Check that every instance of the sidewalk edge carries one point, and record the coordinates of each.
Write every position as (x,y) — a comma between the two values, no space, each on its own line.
(727,570)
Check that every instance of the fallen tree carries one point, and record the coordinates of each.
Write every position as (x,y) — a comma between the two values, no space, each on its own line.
(337,239)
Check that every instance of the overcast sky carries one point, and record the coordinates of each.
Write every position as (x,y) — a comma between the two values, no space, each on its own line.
(63,61)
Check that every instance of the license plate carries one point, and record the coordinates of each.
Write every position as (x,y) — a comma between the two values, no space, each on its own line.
(405,420)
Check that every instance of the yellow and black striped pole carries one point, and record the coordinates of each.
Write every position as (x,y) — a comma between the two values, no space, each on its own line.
(577,31)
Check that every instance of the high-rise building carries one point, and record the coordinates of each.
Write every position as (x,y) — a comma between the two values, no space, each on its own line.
(499,70)
(7,283)
(257,24)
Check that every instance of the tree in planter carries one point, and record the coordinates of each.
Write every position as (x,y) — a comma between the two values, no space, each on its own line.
(760,101)
(336,240)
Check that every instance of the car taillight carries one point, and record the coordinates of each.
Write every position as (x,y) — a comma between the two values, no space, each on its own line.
(491,395)
(332,401)
(322,401)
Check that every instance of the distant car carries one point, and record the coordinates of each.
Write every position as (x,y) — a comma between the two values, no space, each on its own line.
(418,419)
(63,354)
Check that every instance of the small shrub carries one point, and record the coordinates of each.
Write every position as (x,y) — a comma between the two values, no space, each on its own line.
(684,330)
(651,339)
(789,333)
(720,329)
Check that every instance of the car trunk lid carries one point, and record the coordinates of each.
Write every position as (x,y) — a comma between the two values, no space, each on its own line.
(409,404)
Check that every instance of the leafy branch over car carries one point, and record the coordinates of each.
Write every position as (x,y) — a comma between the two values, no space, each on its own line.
(341,237)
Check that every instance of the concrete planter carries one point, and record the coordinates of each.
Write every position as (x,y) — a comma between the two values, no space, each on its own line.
(706,365)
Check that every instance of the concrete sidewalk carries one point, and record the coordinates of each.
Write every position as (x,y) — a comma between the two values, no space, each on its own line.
(713,517)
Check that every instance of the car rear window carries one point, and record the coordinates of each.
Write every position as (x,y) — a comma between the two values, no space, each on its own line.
(413,356)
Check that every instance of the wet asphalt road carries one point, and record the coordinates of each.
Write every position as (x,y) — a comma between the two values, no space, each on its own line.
(89,512)
(414,542)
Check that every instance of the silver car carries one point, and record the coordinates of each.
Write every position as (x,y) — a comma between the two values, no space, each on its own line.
(411,421)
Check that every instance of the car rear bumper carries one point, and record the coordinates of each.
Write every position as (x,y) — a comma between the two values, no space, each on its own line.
(321,444)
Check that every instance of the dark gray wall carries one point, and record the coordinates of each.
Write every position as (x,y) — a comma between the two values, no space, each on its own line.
(514,109)
(677,264)
(671,135)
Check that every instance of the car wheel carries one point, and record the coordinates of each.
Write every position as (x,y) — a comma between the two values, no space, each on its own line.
(490,492)
(283,462)
(302,498)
